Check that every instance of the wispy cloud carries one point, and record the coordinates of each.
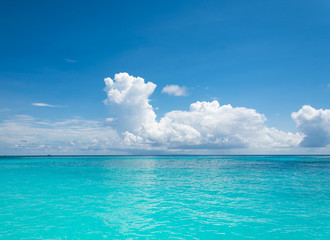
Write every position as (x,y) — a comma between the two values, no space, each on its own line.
(69,60)
(5,110)
(27,134)
(175,90)
(43,105)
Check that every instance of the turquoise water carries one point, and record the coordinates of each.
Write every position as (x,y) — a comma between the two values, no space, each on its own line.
(165,197)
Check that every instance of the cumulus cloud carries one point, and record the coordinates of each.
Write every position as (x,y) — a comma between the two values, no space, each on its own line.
(314,124)
(205,125)
(43,105)
(128,100)
(175,90)
(209,125)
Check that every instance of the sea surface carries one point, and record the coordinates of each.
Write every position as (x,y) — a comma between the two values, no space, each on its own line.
(165,197)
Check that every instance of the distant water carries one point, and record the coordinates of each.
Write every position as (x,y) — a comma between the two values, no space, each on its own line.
(165,197)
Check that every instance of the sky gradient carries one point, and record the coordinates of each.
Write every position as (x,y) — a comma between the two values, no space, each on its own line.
(267,60)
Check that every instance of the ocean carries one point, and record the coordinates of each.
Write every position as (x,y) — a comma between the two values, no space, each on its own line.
(165,197)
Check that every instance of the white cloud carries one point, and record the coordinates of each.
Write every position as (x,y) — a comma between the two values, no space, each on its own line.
(128,100)
(209,125)
(314,124)
(206,125)
(175,90)
(43,105)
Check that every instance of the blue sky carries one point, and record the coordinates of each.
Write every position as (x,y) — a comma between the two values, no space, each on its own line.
(271,56)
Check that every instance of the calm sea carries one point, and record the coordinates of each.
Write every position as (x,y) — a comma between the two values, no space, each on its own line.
(165,197)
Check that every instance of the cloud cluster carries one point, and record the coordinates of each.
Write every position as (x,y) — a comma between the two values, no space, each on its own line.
(175,90)
(209,125)
(205,125)
(314,124)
